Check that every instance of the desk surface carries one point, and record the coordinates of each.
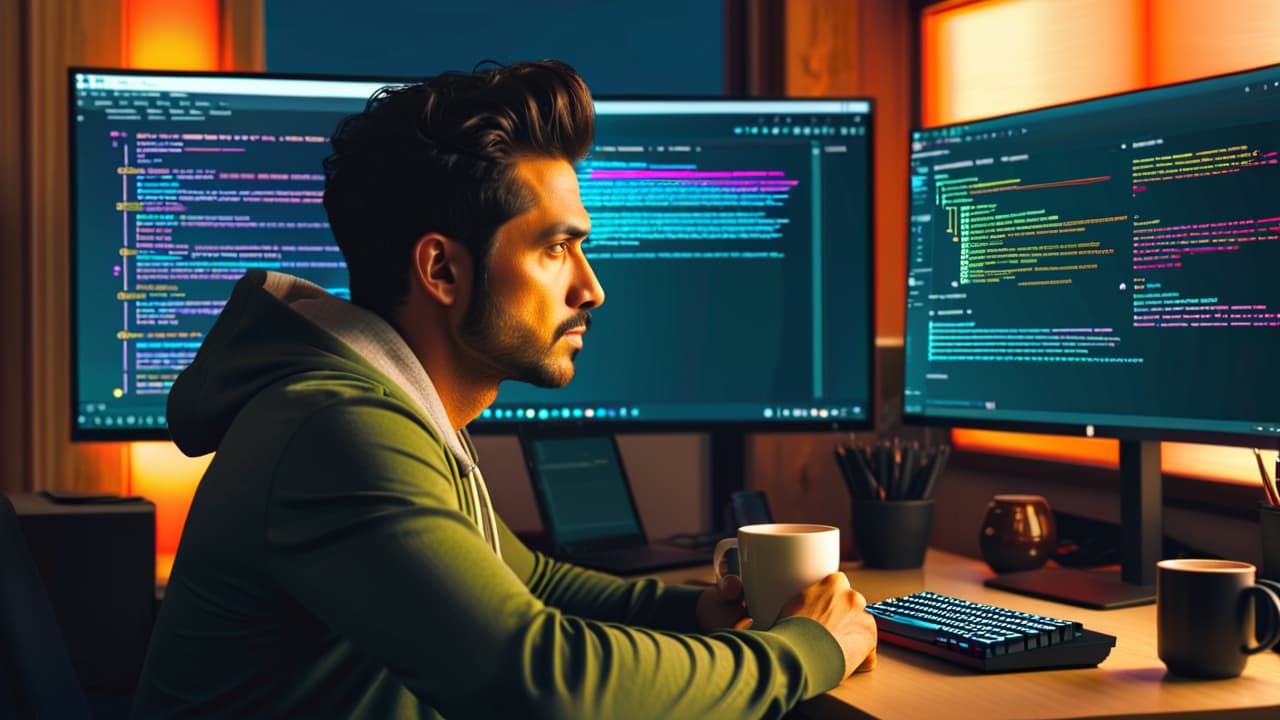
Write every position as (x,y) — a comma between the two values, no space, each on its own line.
(1131,682)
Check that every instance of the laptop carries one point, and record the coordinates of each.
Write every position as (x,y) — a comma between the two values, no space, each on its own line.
(586,504)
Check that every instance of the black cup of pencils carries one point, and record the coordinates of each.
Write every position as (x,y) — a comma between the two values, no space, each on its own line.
(1269,516)
(892,485)
(1270,525)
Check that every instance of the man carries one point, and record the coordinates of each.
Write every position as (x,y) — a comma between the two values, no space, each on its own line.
(341,557)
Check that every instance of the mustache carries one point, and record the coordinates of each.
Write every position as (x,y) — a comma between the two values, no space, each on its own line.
(581,320)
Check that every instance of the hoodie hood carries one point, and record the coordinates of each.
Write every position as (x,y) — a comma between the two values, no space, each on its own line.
(275,326)
(257,341)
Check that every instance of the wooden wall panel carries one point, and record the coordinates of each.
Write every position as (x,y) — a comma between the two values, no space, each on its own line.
(244,40)
(864,48)
(886,74)
(59,34)
(38,41)
(14,424)
(820,58)
(836,49)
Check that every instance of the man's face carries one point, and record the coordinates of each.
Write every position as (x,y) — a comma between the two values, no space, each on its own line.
(527,322)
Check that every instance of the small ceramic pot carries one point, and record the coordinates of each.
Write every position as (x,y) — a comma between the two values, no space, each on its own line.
(1018,533)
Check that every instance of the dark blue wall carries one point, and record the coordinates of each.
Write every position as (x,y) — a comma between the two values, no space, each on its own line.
(619,46)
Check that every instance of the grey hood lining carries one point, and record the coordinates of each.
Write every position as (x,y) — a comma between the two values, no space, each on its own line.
(375,340)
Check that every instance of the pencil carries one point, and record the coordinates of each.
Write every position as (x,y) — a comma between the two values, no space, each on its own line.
(1268,484)
(863,467)
(935,472)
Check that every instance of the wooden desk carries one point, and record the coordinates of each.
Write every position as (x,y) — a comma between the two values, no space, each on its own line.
(1131,682)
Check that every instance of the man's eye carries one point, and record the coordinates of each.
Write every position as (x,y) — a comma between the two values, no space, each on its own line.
(559,248)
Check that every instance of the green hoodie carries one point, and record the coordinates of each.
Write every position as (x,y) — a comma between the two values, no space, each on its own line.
(336,560)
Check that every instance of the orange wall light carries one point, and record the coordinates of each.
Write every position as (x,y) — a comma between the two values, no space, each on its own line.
(1206,462)
(172,34)
(1191,39)
(166,477)
(1084,451)
(169,35)
(999,56)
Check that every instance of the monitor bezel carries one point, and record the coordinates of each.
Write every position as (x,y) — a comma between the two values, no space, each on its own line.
(492,427)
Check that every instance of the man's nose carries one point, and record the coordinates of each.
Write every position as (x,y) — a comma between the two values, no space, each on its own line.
(588,293)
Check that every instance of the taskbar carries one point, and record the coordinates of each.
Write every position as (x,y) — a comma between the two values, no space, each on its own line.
(673,413)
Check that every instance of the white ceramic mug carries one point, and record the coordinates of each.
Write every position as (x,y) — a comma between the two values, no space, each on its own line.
(777,561)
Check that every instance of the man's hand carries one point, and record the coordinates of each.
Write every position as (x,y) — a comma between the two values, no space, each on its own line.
(721,606)
(843,612)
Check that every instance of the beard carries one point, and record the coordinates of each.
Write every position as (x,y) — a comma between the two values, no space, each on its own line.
(515,350)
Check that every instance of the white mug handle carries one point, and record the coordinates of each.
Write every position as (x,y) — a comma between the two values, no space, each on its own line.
(722,547)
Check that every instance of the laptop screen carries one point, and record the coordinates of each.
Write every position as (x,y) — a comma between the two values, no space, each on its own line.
(581,488)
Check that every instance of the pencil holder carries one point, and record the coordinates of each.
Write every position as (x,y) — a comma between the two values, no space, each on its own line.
(892,535)
(1269,521)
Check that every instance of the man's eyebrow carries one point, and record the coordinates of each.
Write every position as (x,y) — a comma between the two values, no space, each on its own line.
(559,229)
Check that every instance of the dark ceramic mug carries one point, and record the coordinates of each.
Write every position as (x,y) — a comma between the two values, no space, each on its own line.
(1205,616)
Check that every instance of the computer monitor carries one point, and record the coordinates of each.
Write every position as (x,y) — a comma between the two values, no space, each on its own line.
(1102,268)
(733,239)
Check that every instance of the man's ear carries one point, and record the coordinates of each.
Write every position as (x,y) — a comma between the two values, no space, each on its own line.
(442,267)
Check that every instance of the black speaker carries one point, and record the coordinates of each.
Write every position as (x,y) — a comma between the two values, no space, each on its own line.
(97,557)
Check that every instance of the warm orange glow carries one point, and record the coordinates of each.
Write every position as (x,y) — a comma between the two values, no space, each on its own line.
(169,35)
(172,34)
(1085,451)
(998,56)
(1191,38)
(1002,56)
(1207,462)
(1214,462)
(166,477)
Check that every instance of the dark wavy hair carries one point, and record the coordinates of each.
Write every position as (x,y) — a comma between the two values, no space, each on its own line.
(439,157)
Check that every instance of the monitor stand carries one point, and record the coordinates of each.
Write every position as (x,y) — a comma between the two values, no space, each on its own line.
(1141,541)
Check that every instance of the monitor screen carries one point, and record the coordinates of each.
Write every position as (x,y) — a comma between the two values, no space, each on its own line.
(1101,267)
(732,237)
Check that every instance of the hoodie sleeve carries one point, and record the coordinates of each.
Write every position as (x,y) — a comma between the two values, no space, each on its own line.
(364,529)
(600,596)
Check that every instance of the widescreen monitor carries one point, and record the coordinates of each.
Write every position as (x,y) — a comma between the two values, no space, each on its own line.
(732,237)
(1102,268)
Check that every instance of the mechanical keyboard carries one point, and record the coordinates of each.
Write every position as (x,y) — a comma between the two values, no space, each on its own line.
(988,638)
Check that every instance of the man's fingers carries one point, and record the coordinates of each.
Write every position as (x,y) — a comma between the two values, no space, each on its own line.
(731,587)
